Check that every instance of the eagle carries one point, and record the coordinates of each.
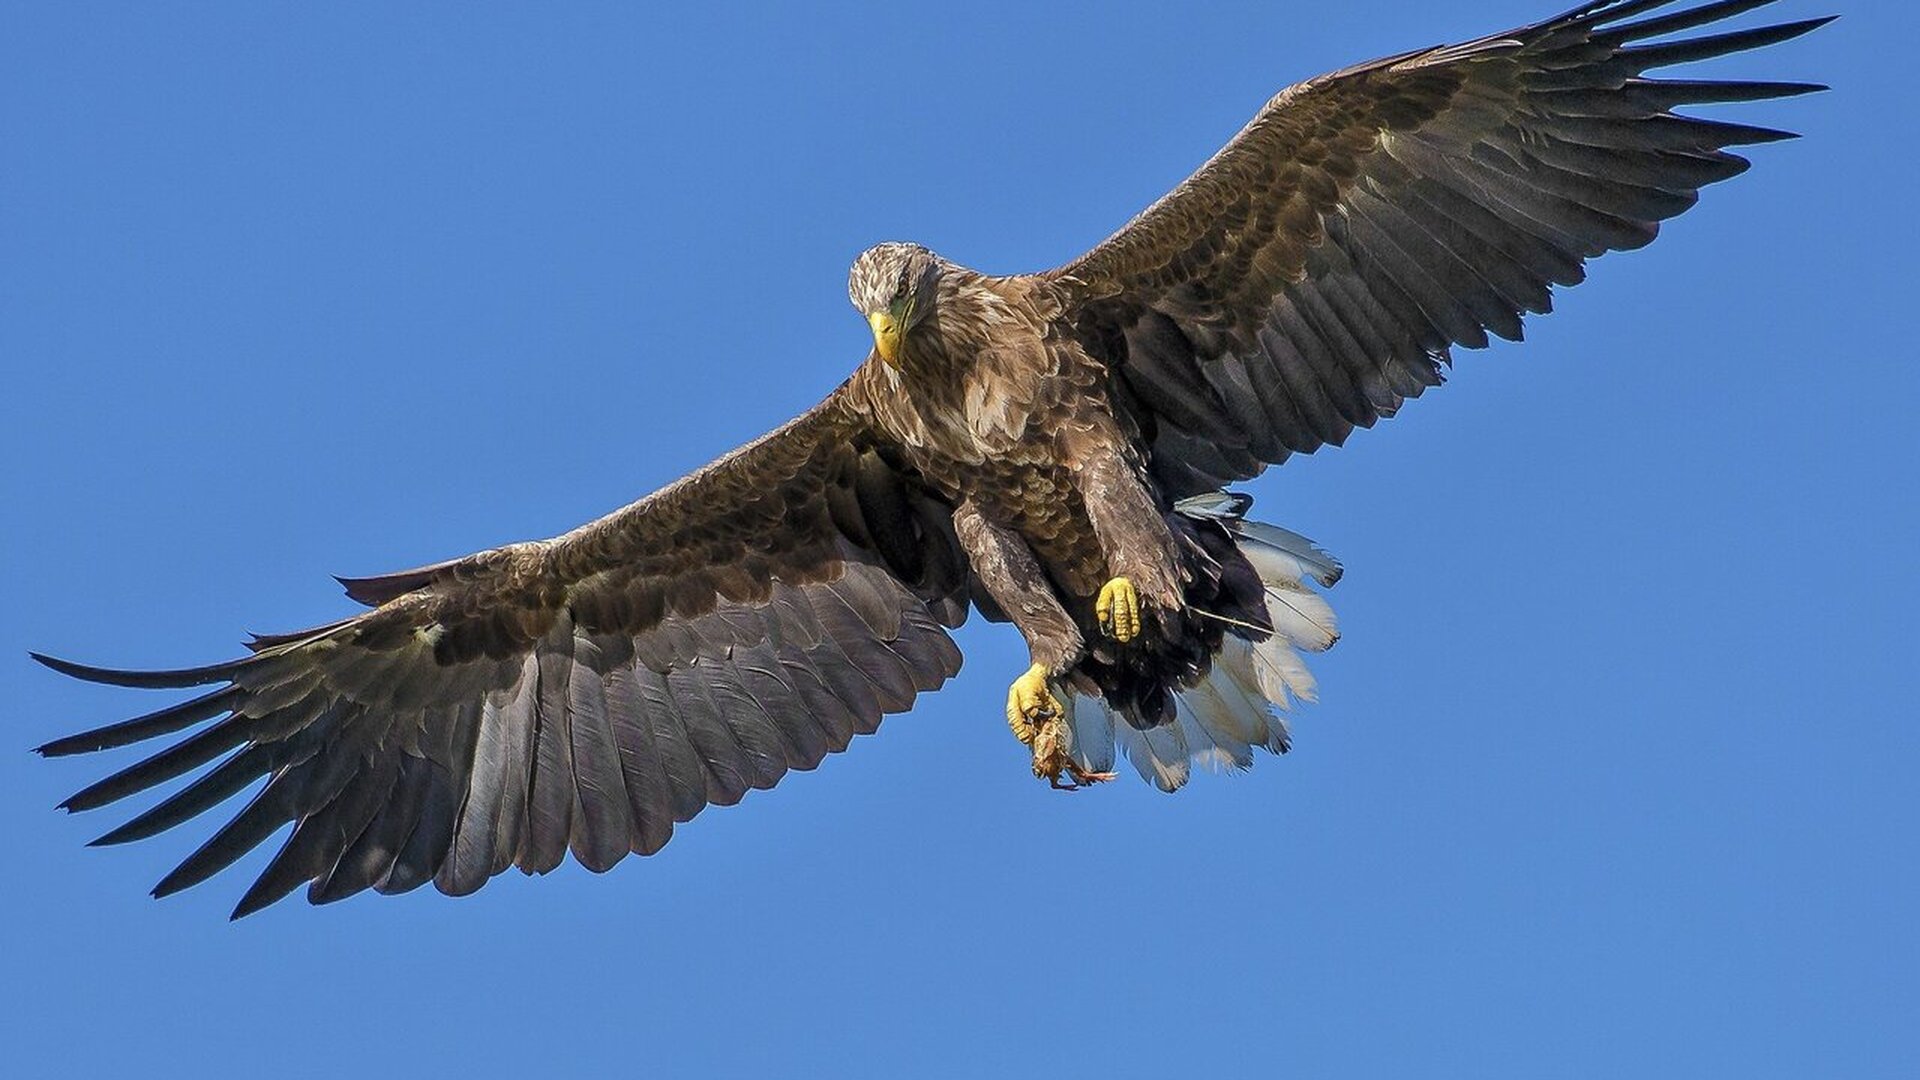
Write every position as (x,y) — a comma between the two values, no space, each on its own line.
(1056,450)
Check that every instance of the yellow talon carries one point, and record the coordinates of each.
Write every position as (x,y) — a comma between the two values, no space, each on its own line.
(1030,704)
(1037,719)
(1118,609)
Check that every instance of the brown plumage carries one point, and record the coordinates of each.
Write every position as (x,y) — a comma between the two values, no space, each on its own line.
(1050,448)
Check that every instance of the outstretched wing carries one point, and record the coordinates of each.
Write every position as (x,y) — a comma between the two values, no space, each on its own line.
(585,693)
(1314,273)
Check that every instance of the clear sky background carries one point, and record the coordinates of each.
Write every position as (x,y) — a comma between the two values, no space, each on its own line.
(1614,770)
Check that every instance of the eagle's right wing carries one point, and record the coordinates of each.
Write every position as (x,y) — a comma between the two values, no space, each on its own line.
(582,693)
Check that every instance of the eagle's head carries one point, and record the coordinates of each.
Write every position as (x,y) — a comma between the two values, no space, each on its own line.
(893,285)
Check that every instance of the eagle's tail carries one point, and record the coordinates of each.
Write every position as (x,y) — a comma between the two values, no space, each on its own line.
(1256,674)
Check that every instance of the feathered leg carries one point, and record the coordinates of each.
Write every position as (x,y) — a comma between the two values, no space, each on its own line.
(1134,535)
(1012,576)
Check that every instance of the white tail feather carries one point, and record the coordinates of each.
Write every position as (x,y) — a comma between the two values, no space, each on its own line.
(1214,504)
(1202,750)
(1213,732)
(1281,673)
(1089,731)
(1242,712)
(1303,618)
(1289,556)
(1160,754)
(1239,705)
(1277,567)
(1236,661)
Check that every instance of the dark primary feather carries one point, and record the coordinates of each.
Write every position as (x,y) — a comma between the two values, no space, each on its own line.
(1316,272)
(584,694)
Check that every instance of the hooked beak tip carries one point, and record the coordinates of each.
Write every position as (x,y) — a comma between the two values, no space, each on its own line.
(886,336)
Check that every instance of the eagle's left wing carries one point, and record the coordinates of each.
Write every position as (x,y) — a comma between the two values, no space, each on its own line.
(582,693)
(1314,274)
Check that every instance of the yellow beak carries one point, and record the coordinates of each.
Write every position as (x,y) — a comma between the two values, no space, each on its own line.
(886,336)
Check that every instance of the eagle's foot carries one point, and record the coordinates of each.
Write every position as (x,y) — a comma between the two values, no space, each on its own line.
(1118,609)
(1038,720)
(1031,705)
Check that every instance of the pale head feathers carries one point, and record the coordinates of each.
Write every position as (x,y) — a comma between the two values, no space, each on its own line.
(894,277)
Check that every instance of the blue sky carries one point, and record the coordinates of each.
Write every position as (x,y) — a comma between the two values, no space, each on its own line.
(1612,774)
